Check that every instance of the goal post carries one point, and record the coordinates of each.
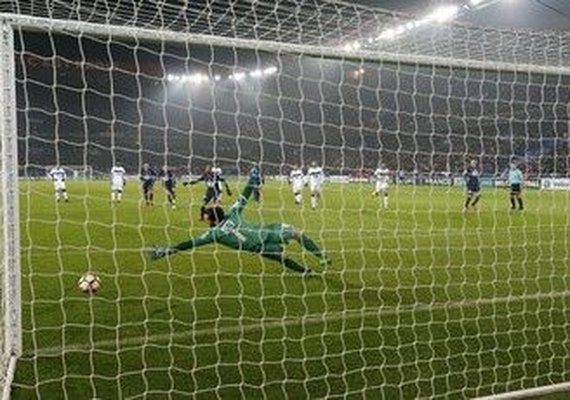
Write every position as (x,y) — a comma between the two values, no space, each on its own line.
(11,332)
(418,323)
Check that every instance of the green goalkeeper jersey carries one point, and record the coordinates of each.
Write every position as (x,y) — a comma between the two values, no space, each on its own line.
(235,232)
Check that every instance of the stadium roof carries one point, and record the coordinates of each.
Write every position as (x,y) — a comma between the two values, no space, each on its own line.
(519,14)
(413,32)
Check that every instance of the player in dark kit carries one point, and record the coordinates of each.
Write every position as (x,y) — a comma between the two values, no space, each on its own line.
(169,182)
(473,183)
(231,230)
(257,189)
(147,178)
(214,183)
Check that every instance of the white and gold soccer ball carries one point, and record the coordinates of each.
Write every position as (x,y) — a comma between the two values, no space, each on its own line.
(89,283)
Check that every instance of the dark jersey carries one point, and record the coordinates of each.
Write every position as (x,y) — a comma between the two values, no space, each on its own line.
(213,186)
(211,180)
(168,179)
(147,177)
(472,179)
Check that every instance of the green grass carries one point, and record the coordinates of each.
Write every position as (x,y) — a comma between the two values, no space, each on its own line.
(421,301)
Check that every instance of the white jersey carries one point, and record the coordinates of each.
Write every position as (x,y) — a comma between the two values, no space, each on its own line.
(57,175)
(217,173)
(117,178)
(316,177)
(382,177)
(297,178)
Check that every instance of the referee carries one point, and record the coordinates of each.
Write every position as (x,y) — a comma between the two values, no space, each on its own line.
(515,183)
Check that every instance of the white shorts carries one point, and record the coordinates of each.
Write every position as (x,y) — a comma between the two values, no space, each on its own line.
(117,185)
(381,186)
(59,186)
(297,187)
(315,187)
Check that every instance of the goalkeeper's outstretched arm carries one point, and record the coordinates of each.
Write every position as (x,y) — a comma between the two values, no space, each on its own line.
(163,251)
(252,183)
(228,190)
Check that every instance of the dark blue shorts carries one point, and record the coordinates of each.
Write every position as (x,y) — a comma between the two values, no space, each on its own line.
(515,188)
(471,190)
(147,186)
(212,194)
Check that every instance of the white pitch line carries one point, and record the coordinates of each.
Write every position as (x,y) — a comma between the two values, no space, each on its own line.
(310,319)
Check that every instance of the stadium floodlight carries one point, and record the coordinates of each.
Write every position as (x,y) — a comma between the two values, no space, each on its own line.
(217,78)
(400,29)
(197,78)
(256,73)
(443,14)
(388,34)
(420,22)
(352,46)
(476,2)
(237,76)
(270,70)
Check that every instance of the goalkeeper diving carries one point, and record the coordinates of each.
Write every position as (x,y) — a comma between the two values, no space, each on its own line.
(232,230)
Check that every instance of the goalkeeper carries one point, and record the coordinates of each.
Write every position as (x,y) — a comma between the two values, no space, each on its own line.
(231,230)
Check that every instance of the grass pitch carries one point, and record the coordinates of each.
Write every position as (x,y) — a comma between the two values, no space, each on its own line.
(421,300)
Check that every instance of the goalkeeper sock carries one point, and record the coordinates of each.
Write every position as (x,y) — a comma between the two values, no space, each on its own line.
(520,203)
(513,203)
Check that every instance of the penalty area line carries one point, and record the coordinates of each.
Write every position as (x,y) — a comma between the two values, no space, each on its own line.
(274,323)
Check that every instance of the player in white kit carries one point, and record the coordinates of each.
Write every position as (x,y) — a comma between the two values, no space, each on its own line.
(316,177)
(58,177)
(117,183)
(296,179)
(382,178)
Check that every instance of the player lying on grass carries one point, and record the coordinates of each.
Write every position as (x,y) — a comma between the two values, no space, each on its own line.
(231,230)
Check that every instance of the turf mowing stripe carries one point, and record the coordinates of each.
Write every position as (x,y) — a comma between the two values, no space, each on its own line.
(310,319)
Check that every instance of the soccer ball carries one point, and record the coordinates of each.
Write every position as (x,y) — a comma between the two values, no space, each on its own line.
(89,283)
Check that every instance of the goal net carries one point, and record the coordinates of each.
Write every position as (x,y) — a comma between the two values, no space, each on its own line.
(424,297)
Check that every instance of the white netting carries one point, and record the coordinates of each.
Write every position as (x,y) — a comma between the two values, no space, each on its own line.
(421,300)
(322,24)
